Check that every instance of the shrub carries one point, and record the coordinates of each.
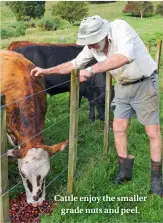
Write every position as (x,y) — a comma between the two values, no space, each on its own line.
(13,30)
(26,18)
(46,24)
(159,9)
(32,23)
(53,23)
(70,11)
(18,25)
(20,28)
(32,9)
(101,2)
(139,8)
(6,33)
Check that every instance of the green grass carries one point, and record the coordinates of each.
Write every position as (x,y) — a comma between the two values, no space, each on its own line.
(94,173)
(149,29)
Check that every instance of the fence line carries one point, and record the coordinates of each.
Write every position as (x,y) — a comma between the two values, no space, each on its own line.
(73,131)
(157,59)
(74,110)
(4,200)
(107,112)
(57,177)
(34,94)
(158,54)
(107,118)
(65,117)
(76,138)
(79,174)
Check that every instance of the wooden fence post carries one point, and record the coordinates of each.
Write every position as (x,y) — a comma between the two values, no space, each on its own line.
(158,54)
(4,199)
(107,112)
(73,130)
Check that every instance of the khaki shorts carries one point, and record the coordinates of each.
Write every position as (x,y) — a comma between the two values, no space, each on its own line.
(139,99)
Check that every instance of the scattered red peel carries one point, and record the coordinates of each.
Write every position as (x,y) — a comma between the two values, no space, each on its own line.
(21,211)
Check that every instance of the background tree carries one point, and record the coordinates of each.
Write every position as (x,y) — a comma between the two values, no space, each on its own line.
(159,9)
(22,9)
(71,11)
(139,8)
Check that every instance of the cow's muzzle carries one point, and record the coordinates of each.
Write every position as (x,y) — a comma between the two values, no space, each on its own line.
(37,204)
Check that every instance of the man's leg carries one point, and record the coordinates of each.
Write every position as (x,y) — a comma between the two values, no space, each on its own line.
(120,136)
(125,161)
(154,134)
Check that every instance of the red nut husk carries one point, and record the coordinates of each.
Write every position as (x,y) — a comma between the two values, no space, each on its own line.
(21,211)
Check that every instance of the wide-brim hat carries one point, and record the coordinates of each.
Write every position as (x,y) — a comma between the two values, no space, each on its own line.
(92,30)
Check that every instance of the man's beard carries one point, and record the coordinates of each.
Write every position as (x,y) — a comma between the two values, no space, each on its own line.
(102,45)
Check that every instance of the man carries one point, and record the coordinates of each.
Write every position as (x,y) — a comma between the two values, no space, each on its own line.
(119,50)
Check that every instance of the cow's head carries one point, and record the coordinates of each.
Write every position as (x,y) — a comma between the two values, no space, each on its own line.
(34,166)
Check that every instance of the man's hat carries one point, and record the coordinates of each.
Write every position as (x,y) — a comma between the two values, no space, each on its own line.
(92,30)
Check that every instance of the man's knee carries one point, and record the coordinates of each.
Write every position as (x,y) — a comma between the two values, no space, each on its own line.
(153,131)
(120,126)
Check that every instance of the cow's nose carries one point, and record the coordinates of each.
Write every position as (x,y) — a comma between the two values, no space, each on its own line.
(37,204)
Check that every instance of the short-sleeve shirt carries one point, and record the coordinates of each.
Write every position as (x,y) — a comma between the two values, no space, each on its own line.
(123,40)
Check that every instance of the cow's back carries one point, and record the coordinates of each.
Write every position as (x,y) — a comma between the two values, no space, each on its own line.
(19,44)
(46,56)
(26,107)
(13,69)
(15,75)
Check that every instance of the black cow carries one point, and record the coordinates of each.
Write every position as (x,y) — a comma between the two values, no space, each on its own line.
(46,56)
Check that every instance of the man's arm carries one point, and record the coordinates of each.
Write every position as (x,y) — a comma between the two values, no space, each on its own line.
(111,63)
(79,62)
(60,69)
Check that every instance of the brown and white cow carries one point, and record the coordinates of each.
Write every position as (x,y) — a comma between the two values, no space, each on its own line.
(26,109)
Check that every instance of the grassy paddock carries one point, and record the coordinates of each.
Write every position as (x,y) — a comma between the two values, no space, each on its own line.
(94,174)
(149,29)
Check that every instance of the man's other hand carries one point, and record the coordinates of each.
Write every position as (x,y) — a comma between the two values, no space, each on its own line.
(84,75)
(37,71)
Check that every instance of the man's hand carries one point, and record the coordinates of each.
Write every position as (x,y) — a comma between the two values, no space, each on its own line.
(37,71)
(84,75)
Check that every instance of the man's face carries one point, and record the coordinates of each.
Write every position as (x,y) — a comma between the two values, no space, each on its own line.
(98,46)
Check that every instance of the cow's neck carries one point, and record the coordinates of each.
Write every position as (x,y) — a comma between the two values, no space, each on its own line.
(24,119)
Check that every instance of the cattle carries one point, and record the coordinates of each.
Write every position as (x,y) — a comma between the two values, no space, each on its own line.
(49,55)
(26,109)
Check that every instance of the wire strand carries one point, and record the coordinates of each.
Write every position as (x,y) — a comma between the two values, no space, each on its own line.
(48,186)
(66,116)
(33,94)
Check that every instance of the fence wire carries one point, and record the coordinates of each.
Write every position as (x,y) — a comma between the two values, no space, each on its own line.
(62,170)
(46,161)
(51,125)
(82,133)
(29,96)
(47,129)
(77,175)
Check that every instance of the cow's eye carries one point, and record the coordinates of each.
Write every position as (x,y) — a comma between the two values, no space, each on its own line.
(29,185)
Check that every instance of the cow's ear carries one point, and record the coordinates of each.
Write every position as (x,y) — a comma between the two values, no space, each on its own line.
(56,148)
(14,154)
